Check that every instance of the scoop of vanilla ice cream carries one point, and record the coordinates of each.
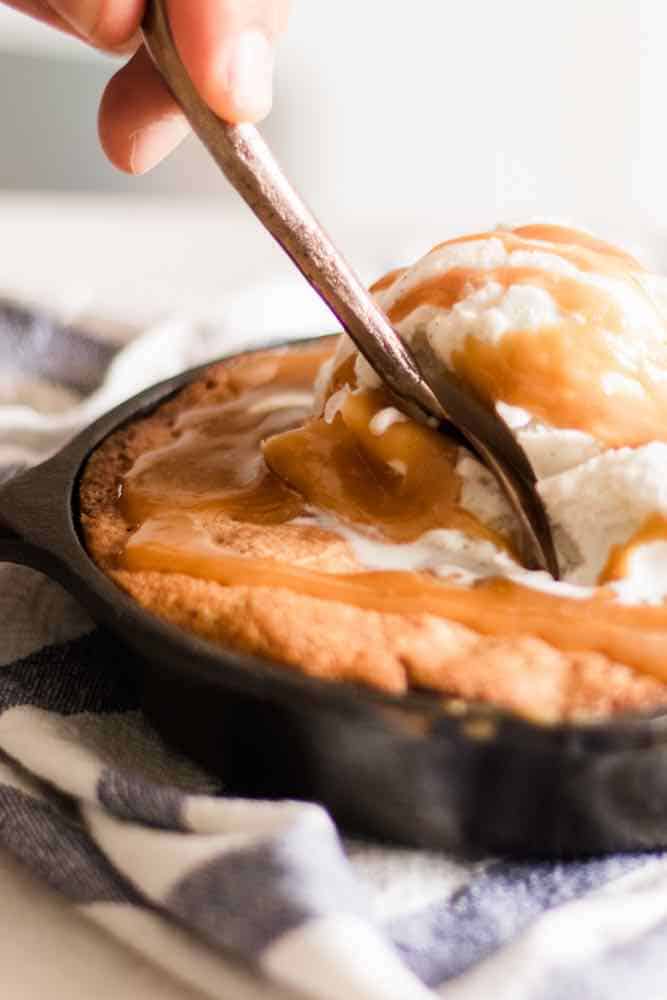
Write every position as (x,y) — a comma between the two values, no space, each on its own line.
(510,281)
(646,579)
(488,313)
(602,502)
(596,497)
(595,500)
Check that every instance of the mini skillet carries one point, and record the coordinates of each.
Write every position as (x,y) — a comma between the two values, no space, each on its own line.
(416,769)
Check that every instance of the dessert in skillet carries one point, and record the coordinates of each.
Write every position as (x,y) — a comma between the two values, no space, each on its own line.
(282,505)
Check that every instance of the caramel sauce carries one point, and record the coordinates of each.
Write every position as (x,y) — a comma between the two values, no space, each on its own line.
(560,374)
(254,459)
(387,280)
(654,529)
(547,233)
(213,466)
(581,249)
(214,470)
(344,468)
(635,636)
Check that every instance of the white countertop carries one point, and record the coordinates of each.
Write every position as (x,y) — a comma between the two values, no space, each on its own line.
(131,260)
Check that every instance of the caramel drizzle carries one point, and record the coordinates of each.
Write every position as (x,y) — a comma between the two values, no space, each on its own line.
(560,374)
(344,468)
(654,529)
(635,636)
(387,280)
(245,460)
(581,249)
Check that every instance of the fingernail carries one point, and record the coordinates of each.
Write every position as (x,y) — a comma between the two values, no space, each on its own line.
(82,15)
(247,74)
(152,143)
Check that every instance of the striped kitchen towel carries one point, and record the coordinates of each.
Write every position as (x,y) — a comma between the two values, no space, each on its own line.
(145,843)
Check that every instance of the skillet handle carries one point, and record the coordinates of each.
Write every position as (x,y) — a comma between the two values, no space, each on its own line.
(13,548)
(7,534)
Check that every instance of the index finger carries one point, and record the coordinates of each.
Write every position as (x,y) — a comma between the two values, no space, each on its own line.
(40,11)
(107,24)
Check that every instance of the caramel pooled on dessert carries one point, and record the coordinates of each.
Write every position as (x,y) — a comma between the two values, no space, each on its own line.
(176,498)
(258,458)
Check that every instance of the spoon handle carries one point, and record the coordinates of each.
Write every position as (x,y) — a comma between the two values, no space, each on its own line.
(250,167)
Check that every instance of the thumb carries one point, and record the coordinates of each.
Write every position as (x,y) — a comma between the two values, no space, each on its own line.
(227,47)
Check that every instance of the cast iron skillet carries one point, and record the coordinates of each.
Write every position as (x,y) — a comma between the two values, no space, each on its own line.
(416,770)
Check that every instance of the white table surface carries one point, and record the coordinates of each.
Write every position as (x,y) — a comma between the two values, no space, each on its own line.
(133,260)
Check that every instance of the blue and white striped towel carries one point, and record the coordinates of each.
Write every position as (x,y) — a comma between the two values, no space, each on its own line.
(146,845)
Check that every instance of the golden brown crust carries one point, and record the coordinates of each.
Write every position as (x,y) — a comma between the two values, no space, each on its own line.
(328,639)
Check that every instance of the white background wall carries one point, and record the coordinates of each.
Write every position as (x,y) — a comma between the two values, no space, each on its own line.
(429,110)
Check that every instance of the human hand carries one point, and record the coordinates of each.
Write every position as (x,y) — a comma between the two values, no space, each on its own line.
(227,47)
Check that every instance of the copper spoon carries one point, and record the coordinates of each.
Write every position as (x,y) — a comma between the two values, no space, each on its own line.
(250,167)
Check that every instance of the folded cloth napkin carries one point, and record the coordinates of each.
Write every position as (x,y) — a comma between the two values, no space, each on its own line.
(146,844)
